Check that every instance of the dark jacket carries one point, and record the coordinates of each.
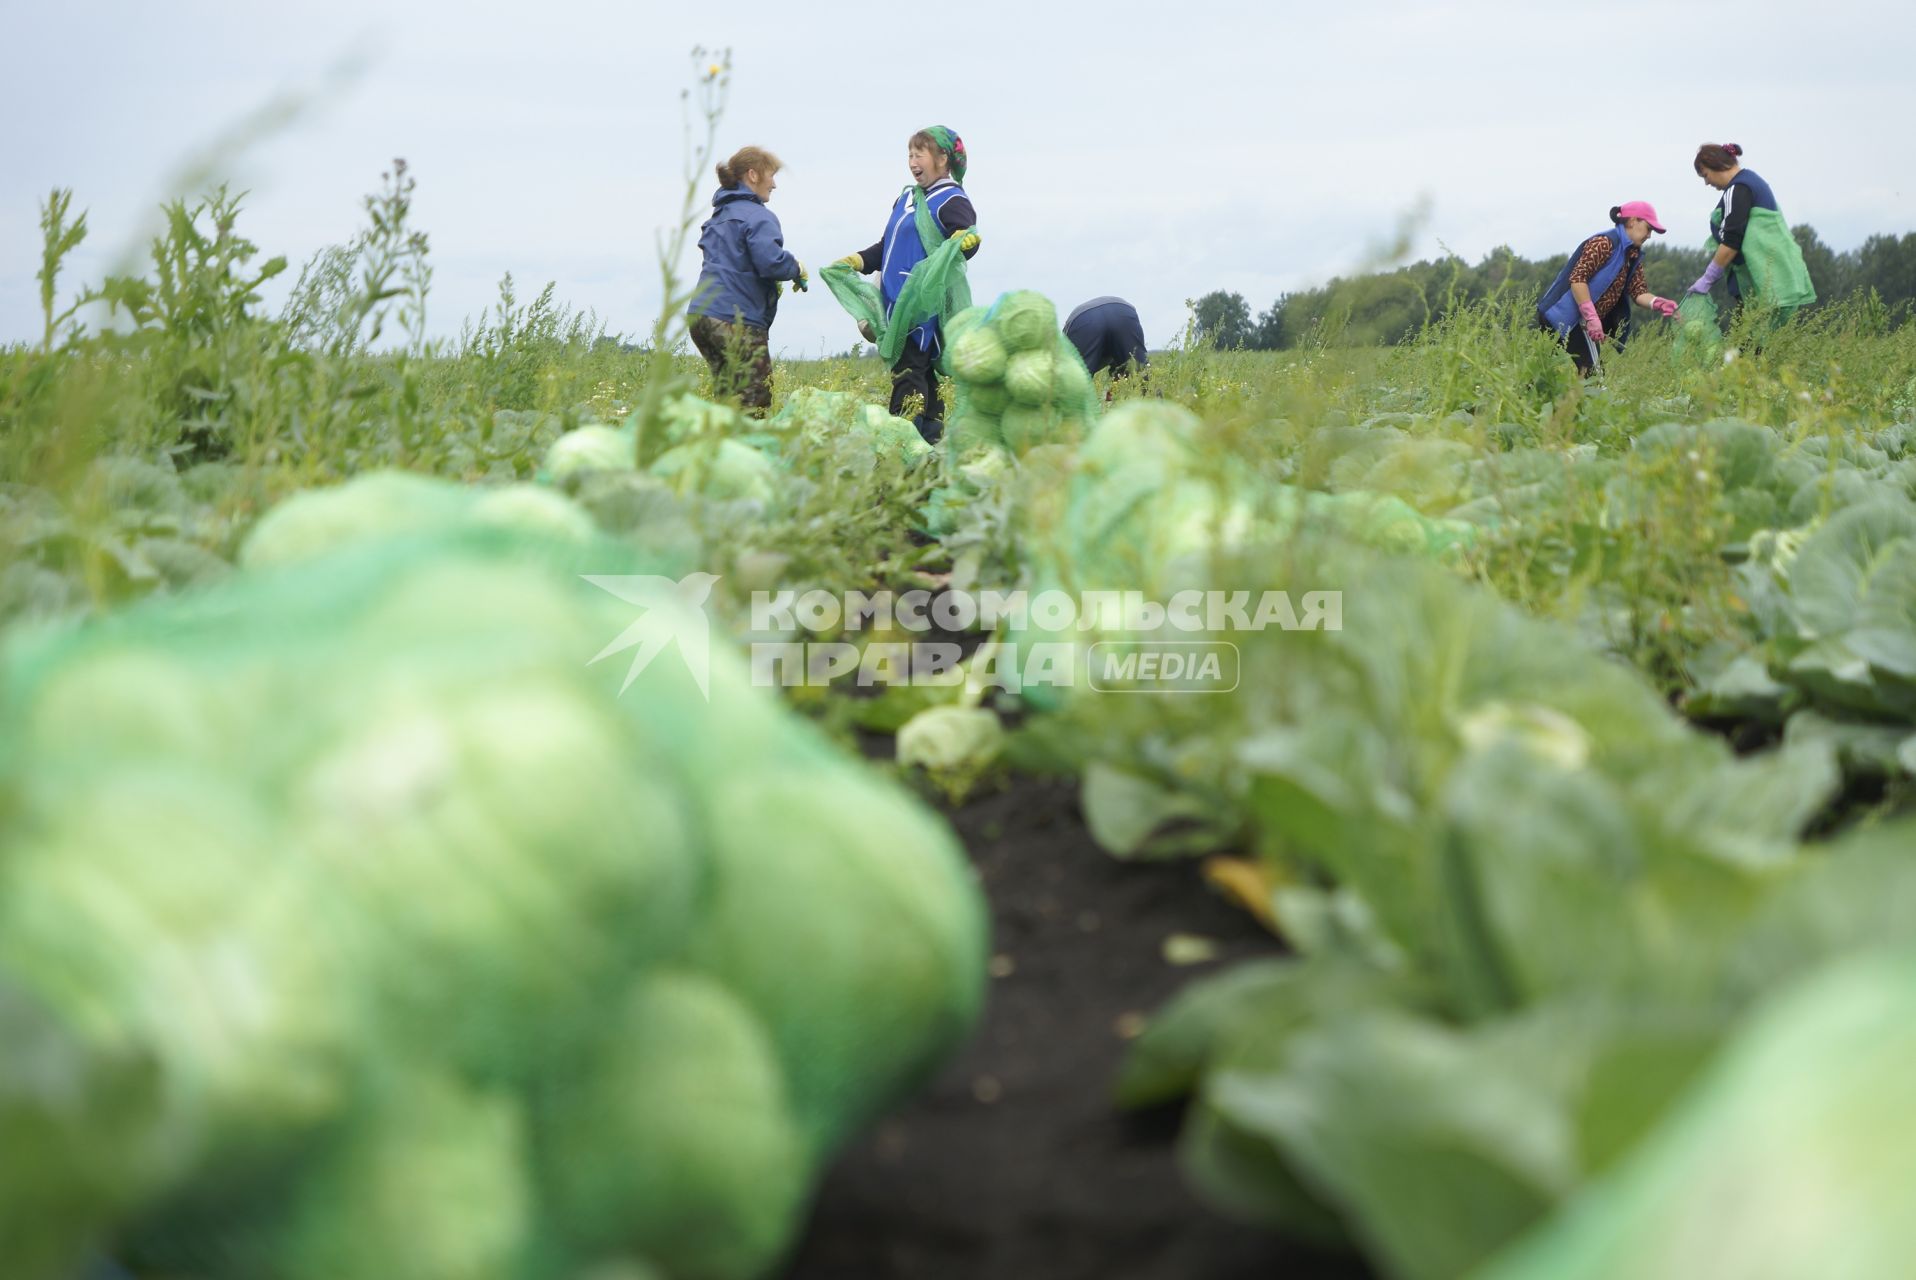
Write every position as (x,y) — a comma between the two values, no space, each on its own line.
(1731,218)
(1108,334)
(745,258)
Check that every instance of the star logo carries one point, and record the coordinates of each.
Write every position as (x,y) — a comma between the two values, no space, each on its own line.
(682,620)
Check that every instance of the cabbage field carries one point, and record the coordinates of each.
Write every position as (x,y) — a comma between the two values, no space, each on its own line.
(426,854)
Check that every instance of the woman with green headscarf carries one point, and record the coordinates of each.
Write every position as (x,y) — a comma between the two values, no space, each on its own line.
(937,159)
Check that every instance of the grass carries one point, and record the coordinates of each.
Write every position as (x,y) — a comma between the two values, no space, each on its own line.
(183,370)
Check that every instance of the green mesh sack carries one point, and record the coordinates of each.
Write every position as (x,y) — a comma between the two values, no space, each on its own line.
(385,506)
(1699,330)
(1017,380)
(1770,266)
(346,874)
(678,1108)
(936,287)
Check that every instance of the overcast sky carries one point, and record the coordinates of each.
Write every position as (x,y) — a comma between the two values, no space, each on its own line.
(1156,151)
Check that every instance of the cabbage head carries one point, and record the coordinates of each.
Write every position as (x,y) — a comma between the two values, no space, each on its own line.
(950,738)
(593,447)
(1026,321)
(957,326)
(360,873)
(1028,377)
(1025,427)
(972,429)
(987,398)
(687,417)
(978,357)
(724,470)
(674,1136)
(376,504)
(1072,385)
(1788,1157)
(533,509)
(383,505)
(430,1182)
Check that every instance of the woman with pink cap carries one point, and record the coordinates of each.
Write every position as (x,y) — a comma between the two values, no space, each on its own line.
(1589,301)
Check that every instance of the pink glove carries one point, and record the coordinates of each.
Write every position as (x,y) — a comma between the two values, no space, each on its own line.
(1663,307)
(1592,327)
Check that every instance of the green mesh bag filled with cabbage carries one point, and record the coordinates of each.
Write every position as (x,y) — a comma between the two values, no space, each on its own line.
(1699,330)
(379,506)
(1018,382)
(353,920)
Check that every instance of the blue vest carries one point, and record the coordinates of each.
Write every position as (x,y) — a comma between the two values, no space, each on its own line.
(1558,308)
(1761,197)
(904,250)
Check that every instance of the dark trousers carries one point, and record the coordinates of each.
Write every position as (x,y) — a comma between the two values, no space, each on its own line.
(916,374)
(740,357)
(1616,332)
(1109,337)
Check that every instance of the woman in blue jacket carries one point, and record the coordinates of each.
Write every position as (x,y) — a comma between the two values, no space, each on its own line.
(1589,301)
(745,260)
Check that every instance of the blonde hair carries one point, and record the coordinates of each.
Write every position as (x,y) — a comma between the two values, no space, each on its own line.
(733,171)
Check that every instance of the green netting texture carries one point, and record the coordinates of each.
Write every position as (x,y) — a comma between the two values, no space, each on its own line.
(355,922)
(1019,383)
(937,287)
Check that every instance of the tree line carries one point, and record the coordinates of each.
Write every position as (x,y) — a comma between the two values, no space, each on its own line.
(1389,307)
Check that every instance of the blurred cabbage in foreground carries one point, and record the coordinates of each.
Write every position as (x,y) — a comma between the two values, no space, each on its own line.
(351,923)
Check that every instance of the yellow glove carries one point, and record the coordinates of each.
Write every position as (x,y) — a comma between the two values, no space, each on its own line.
(968,242)
(804,282)
(856,261)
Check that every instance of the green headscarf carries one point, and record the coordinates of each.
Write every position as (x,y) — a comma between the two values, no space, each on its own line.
(953,146)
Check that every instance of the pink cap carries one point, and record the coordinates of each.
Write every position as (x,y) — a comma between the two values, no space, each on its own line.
(1642,209)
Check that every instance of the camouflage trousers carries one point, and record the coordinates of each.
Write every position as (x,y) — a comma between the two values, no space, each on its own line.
(740,356)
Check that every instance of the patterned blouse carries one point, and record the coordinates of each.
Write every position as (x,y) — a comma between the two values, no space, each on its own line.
(1591,256)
